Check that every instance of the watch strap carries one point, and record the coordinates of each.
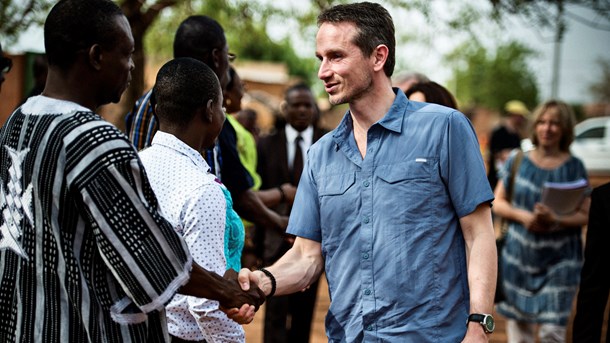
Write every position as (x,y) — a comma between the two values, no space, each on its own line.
(476,317)
(485,320)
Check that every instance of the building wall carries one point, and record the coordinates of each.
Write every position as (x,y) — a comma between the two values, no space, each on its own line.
(12,88)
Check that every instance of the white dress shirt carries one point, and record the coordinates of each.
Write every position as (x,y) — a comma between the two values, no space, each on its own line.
(192,200)
(291,135)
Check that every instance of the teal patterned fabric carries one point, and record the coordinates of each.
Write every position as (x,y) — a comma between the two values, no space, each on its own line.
(234,234)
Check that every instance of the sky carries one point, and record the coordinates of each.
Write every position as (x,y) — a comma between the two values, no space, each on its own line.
(583,46)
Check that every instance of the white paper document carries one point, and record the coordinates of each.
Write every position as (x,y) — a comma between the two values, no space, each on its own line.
(564,197)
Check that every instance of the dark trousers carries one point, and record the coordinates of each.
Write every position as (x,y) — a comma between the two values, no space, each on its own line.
(288,317)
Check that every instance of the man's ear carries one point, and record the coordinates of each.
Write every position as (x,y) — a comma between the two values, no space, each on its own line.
(216,56)
(95,56)
(209,112)
(380,56)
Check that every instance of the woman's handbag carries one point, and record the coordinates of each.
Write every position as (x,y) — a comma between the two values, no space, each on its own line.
(504,226)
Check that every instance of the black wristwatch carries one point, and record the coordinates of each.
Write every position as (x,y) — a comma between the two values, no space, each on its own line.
(486,321)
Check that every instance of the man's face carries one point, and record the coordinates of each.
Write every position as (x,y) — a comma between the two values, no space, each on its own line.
(233,96)
(218,118)
(300,109)
(117,63)
(345,71)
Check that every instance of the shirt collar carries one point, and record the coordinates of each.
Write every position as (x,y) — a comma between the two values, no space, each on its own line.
(395,117)
(292,133)
(392,120)
(44,104)
(172,142)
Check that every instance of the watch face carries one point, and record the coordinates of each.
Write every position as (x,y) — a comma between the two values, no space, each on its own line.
(489,323)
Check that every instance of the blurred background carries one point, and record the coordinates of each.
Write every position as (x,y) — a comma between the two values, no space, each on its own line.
(485,52)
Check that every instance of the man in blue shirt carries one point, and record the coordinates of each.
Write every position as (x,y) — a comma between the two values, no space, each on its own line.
(393,204)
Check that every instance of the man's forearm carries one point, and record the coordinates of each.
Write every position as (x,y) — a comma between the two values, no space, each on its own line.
(278,195)
(295,271)
(251,208)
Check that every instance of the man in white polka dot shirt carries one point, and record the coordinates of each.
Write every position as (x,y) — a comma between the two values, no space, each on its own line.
(189,109)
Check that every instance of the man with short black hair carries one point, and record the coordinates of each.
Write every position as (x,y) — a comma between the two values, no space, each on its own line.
(85,254)
(189,110)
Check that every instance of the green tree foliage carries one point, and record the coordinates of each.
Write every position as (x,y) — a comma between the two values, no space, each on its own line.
(490,79)
(601,88)
(17,16)
(245,24)
(553,14)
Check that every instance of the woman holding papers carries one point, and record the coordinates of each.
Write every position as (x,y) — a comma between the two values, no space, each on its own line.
(542,256)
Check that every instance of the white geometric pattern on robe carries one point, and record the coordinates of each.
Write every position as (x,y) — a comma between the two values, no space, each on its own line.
(15,204)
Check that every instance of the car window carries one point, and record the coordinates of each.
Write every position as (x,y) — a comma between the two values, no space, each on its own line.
(596,132)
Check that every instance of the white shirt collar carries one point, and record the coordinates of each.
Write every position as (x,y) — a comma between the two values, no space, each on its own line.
(292,133)
(46,105)
(172,142)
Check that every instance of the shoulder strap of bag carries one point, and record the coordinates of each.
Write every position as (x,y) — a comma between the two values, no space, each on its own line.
(511,185)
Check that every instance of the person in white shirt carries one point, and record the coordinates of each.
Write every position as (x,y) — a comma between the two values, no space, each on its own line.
(189,108)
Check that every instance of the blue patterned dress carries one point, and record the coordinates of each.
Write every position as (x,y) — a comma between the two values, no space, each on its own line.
(541,272)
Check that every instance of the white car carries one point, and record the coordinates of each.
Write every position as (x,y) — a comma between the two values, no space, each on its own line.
(592,144)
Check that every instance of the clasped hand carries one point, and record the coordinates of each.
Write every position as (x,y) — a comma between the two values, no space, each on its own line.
(542,219)
(242,305)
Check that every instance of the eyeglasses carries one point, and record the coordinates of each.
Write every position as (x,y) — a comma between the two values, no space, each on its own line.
(5,65)
(231,56)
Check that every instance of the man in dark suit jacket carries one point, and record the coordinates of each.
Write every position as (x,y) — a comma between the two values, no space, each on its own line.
(280,160)
(594,283)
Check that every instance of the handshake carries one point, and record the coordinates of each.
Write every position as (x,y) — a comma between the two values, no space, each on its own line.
(240,305)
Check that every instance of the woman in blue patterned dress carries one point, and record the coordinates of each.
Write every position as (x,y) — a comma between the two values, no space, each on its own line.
(542,256)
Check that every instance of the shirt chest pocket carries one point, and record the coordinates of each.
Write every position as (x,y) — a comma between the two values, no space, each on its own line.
(338,198)
(335,184)
(418,170)
(404,189)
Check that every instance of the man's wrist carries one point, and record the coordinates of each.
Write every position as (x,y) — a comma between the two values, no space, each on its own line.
(271,284)
(282,194)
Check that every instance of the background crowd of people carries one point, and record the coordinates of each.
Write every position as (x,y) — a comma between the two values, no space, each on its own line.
(180,228)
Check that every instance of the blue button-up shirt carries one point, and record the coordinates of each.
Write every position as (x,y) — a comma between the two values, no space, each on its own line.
(389,223)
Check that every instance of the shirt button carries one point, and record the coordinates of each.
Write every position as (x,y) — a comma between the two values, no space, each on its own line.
(365,256)
(369,328)
(367,292)
(370,149)
(366,220)
(366,183)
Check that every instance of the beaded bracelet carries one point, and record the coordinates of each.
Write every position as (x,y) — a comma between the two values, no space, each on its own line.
(282,195)
(272,278)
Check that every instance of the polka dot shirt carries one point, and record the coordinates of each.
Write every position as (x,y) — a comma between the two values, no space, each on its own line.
(191,199)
